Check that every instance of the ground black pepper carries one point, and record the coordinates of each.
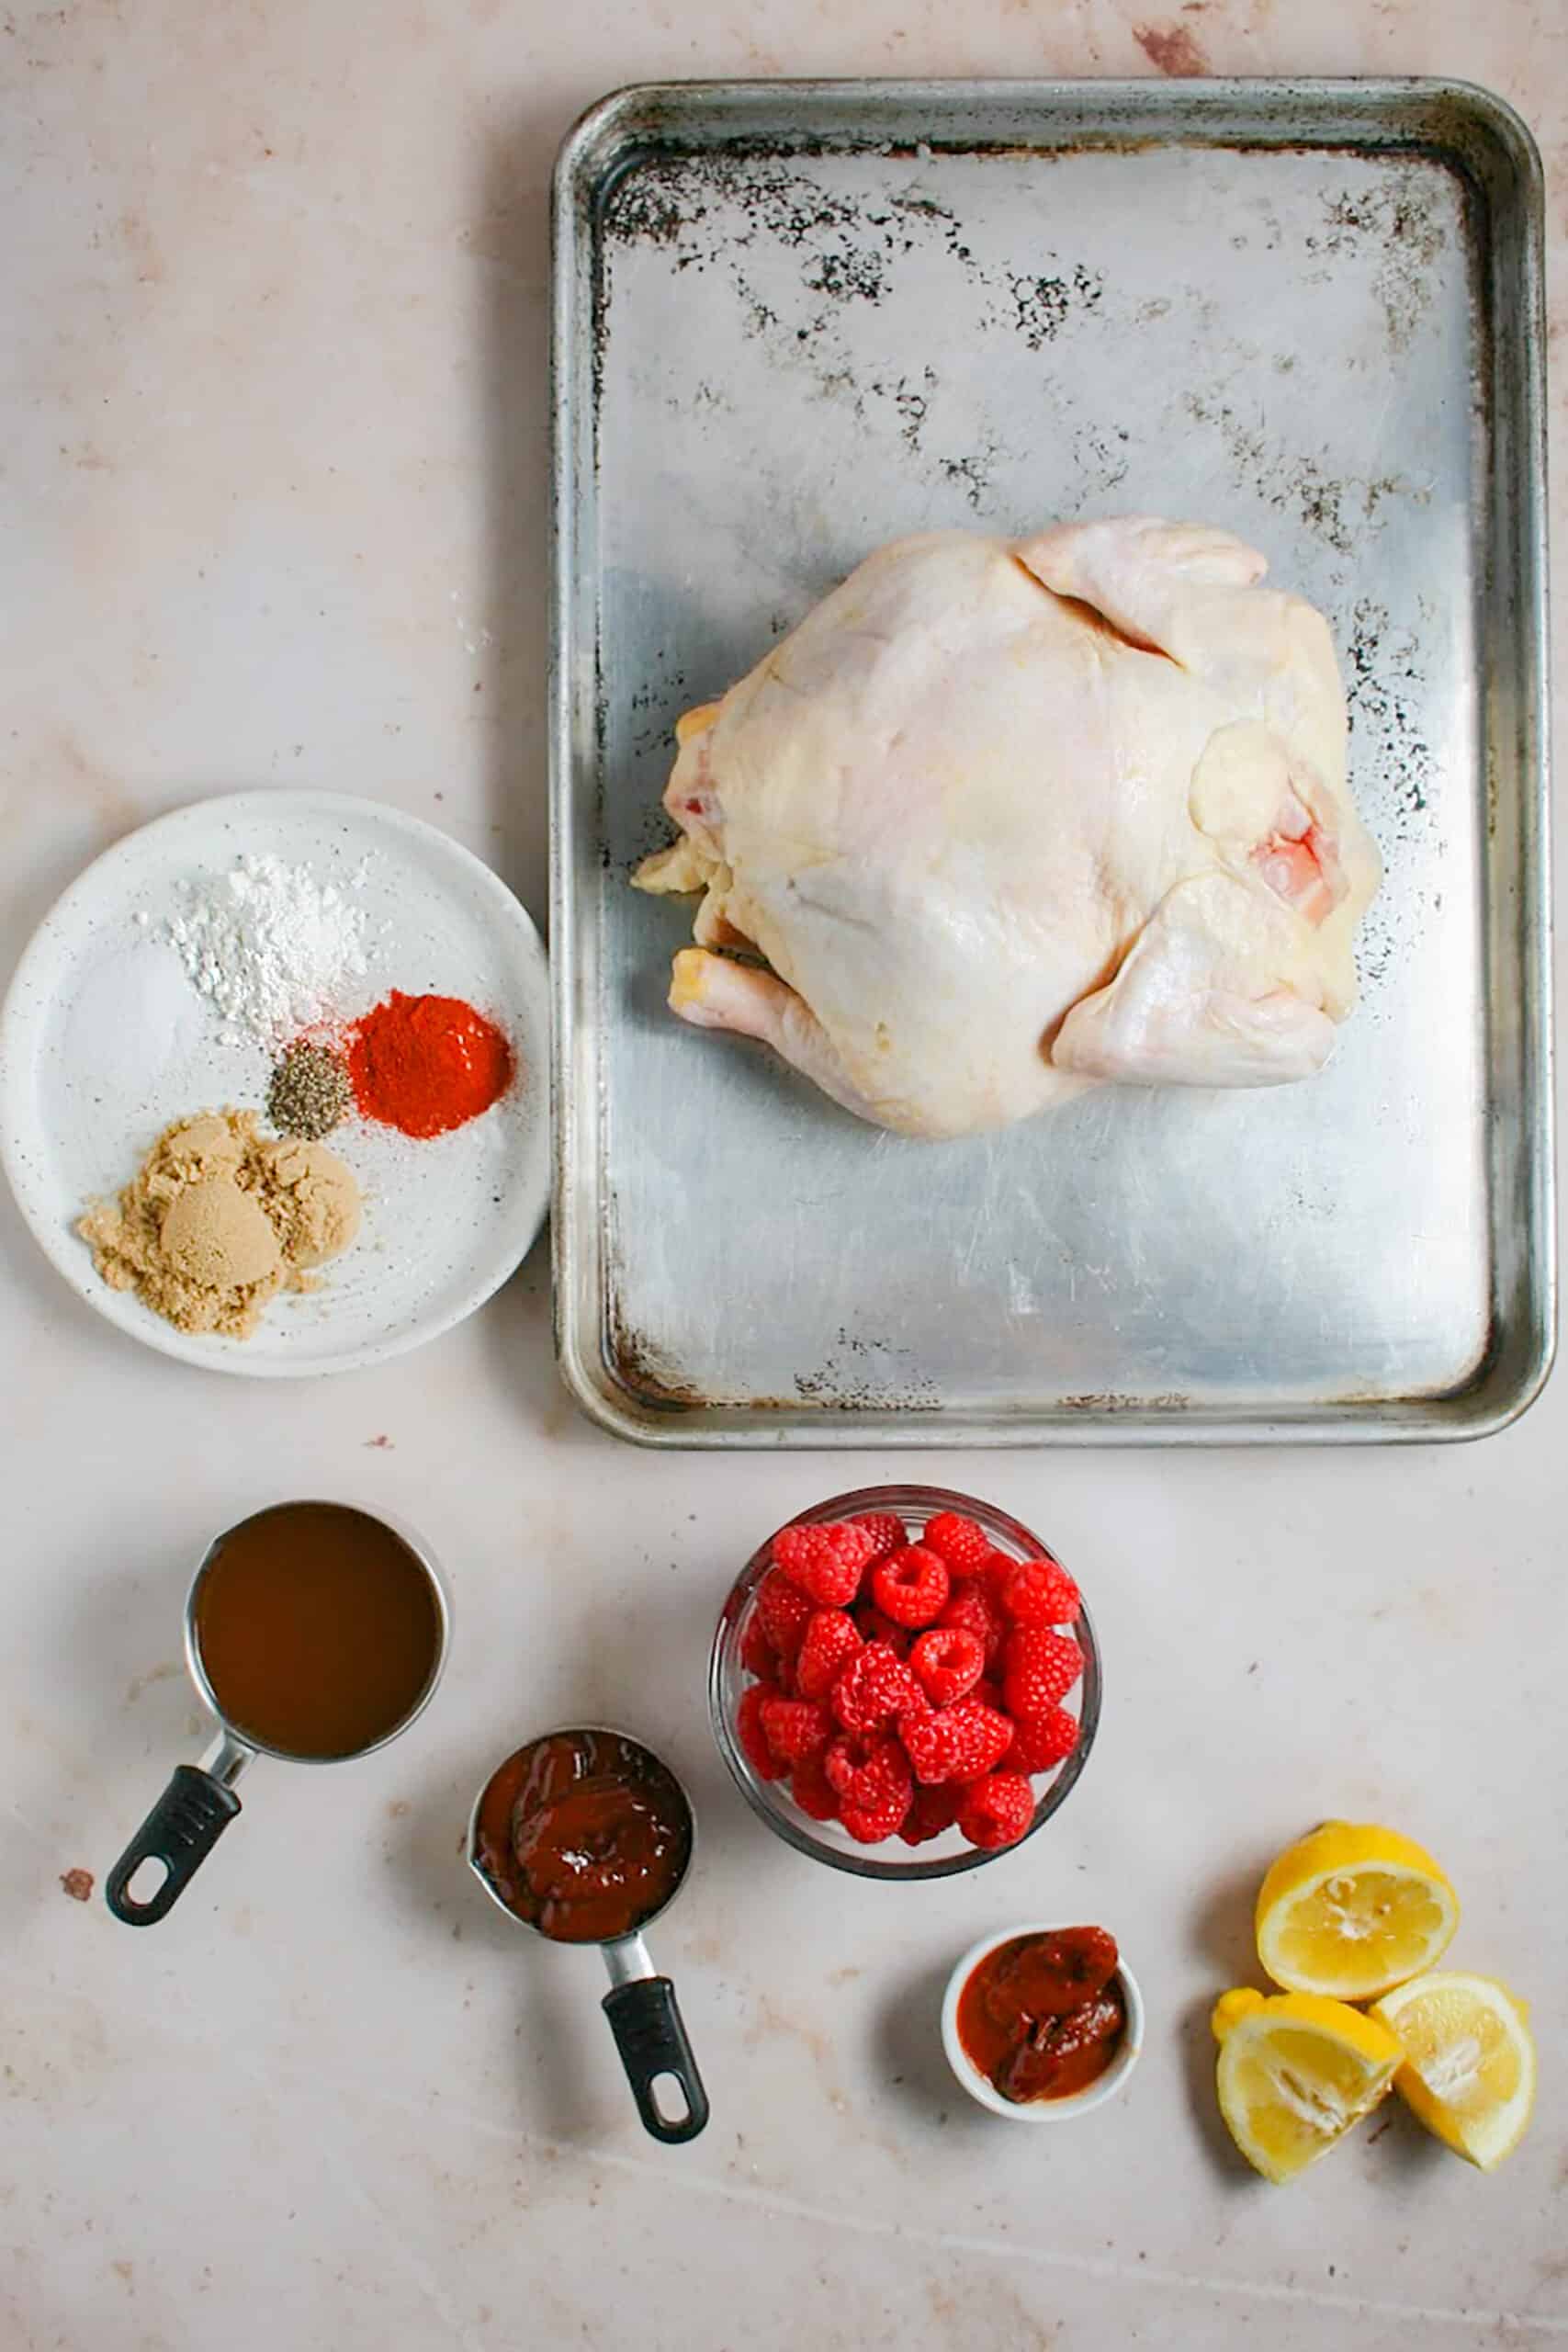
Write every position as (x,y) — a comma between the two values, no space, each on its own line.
(310,1093)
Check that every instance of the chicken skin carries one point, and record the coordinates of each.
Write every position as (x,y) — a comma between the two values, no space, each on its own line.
(999,822)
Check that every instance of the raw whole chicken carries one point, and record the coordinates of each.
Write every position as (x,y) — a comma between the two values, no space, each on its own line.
(1009,819)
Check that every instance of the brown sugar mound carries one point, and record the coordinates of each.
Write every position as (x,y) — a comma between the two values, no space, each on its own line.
(219,1219)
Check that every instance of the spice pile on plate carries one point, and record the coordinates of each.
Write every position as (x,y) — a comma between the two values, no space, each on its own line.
(220,1218)
(309,1093)
(421,1064)
(272,946)
(907,1687)
(427,1064)
(276,950)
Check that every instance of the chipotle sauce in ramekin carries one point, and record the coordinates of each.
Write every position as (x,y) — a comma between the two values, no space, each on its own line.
(1043,2017)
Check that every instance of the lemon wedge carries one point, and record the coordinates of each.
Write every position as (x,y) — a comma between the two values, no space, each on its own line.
(1353,1910)
(1296,2072)
(1469,2070)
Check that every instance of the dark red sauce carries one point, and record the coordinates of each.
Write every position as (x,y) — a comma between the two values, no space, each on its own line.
(1044,2015)
(585,1835)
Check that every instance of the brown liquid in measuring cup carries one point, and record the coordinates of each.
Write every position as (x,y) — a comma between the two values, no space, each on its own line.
(318,1629)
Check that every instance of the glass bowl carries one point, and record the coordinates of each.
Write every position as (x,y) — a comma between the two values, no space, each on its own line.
(826,1841)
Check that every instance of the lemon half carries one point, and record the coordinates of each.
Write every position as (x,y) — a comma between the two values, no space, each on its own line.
(1353,1910)
(1296,2072)
(1469,2070)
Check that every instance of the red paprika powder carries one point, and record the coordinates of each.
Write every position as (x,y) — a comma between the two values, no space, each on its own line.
(426,1064)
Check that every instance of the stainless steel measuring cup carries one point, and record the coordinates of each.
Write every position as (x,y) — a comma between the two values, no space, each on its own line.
(644,2015)
(199,1801)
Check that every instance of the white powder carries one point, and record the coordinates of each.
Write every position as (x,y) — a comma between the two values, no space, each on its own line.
(271,944)
(132,1021)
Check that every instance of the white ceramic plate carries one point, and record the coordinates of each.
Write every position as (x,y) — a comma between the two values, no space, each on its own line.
(104,1040)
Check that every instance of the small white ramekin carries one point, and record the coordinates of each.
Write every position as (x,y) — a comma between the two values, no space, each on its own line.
(1038,2110)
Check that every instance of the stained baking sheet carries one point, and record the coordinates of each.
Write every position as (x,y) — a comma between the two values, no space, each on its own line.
(794,321)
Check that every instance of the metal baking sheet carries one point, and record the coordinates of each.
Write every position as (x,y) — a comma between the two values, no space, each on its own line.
(796,321)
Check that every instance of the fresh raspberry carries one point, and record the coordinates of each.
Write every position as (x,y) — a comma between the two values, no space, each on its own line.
(865,1773)
(875,1625)
(1039,1592)
(995,1569)
(812,1790)
(795,1728)
(949,1661)
(825,1562)
(887,1533)
(830,1642)
(997,1810)
(911,1586)
(973,1606)
(750,1733)
(957,1743)
(1042,1743)
(869,1828)
(756,1650)
(958,1542)
(988,1691)
(932,1811)
(783,1612)
(873,1687)
(1041,1667)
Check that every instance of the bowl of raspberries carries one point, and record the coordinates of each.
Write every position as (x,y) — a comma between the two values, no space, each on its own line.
(905,1682)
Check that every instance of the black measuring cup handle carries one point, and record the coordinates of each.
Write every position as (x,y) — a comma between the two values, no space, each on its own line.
(646,2021)
(180,1832)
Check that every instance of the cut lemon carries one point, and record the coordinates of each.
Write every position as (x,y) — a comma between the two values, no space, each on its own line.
(1469,2070)
(1296,2072)
(1352,1911)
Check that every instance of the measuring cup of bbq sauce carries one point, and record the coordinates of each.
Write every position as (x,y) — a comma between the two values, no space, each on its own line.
(314,1633)
(586,1836)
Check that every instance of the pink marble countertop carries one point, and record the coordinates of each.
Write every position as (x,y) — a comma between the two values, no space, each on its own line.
(274,501)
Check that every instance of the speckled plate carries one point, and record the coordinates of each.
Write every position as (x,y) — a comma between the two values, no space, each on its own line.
(104,1040)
